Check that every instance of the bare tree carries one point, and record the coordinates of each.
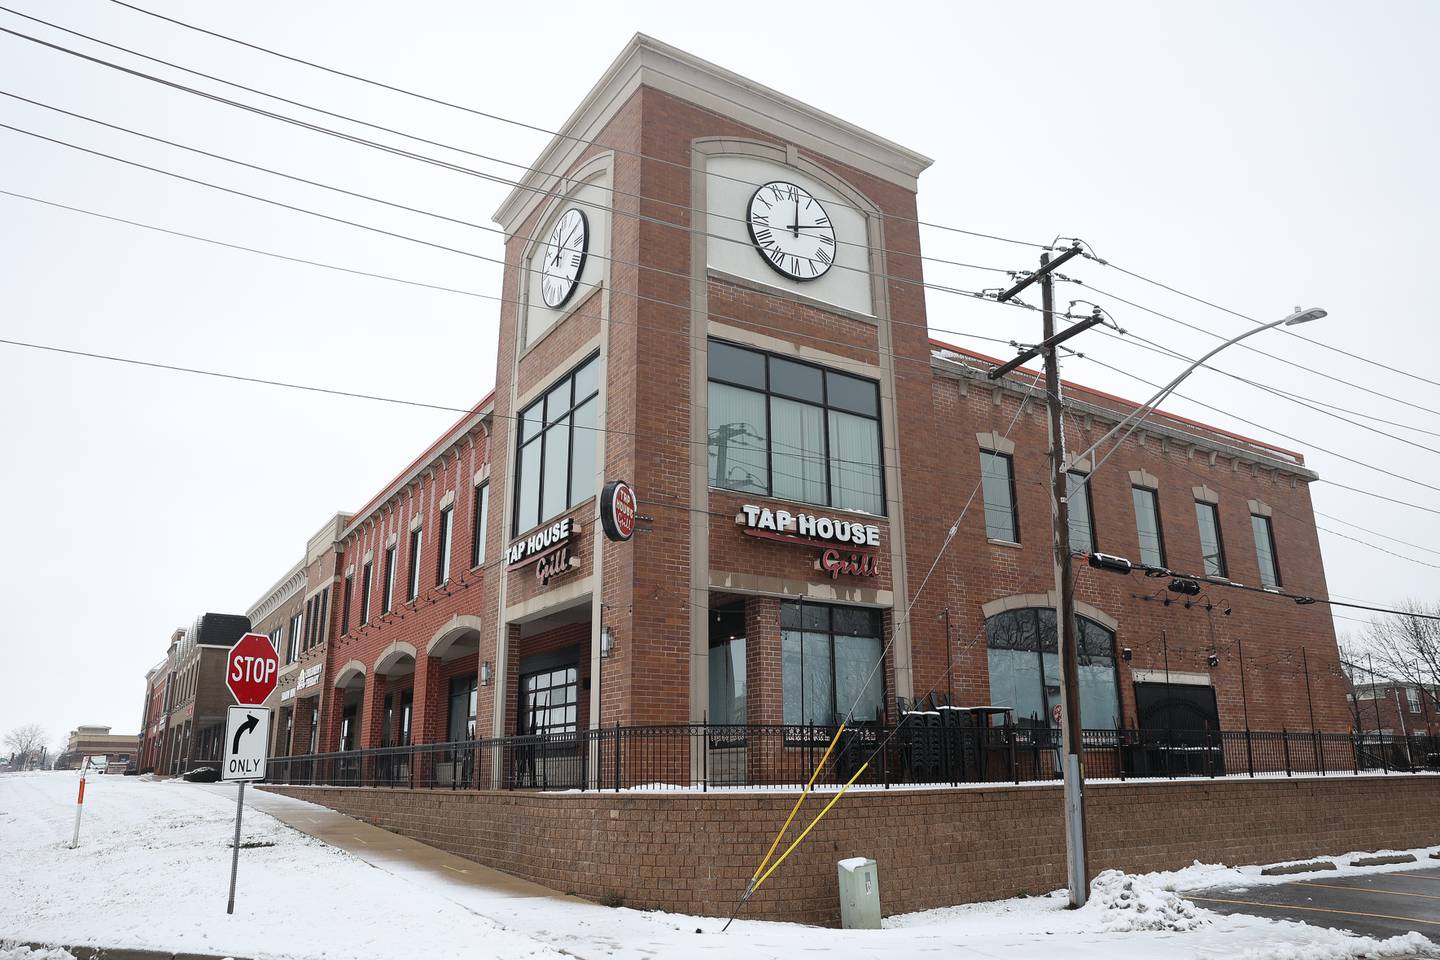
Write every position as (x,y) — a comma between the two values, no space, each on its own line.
(1406,646)
(26,742)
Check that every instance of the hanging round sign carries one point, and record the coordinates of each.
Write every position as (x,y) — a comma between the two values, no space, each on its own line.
(618,509)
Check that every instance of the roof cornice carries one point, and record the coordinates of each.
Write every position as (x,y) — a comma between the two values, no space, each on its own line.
(1166,427)
(648,62)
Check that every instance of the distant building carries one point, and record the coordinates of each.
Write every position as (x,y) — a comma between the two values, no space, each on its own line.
(96,741)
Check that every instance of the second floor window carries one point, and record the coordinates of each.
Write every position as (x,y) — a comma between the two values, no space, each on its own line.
(345,611)
(1147,526)
(413,586)
(1082,518)
(296,641)
(555,462)
(1412,696)
(1212,550)
(387,596)
(785,429)
(442,563)
(482,519)
(365,578)
(997,483)
(1265,550)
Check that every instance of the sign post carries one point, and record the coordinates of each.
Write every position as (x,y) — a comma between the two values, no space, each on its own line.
(251,672)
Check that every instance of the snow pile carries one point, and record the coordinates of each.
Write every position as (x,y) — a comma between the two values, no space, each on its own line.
(1324,943)
(1128,903)
(10,950)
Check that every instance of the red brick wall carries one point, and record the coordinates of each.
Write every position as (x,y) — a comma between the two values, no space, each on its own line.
(693,853)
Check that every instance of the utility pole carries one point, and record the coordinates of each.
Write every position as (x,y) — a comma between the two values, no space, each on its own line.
(1073,767)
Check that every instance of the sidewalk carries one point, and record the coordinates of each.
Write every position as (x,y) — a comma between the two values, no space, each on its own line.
(396,854)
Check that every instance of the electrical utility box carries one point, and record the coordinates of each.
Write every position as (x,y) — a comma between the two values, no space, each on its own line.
(859,894)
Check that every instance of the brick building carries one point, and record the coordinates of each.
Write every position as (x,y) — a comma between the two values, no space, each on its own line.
(120,750)
(186,696)
(713,292)
(1395,709)
(279,615)
(154,717)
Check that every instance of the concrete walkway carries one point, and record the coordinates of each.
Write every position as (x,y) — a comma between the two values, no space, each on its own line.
(396,854)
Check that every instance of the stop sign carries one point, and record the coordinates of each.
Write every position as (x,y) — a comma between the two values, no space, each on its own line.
(251,669)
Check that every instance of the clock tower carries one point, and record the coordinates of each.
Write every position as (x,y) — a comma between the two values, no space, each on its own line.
(713,292)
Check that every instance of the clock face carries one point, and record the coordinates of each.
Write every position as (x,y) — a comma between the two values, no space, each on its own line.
(792,230)
(564,257)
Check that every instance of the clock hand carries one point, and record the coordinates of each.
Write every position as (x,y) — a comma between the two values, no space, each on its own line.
(795,227)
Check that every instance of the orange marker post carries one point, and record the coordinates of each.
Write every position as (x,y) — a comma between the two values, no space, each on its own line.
(79,806)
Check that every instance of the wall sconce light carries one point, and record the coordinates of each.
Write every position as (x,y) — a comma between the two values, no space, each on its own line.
(607,642)
(1126,653)
(485,674)
(1213,660)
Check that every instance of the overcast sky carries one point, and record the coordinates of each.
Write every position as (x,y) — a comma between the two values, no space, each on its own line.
(1258,155)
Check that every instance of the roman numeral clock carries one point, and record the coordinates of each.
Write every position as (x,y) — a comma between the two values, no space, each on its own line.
(791,230)
(564,258)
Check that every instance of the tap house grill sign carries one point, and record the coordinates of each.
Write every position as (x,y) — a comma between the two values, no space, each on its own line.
(618,510)
(848,547)
(549,548)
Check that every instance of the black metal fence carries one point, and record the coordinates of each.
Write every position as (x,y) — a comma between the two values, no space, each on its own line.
(920,751)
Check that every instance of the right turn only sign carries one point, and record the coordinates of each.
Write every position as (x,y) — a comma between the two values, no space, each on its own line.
(247,735)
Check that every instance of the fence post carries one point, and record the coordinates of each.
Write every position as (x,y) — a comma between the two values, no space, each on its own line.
(705,753)
(1319,754)
(1014,767)
(884,749)
(1169,737)
(1119,754)
(617,756)
(1384,760)
(1285,739)
(1210,754)
(1355,752)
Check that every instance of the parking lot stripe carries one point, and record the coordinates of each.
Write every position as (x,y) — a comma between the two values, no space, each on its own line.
(1342,886)
(1293,906)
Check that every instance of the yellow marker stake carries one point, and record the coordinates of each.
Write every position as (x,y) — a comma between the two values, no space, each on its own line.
(811,827)
(796,809)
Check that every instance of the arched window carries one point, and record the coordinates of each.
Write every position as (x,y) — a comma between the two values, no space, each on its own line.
(1025,668)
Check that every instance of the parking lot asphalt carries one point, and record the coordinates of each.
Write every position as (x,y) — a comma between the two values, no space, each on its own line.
(1374,905)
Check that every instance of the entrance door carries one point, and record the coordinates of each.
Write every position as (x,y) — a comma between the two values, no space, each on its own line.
(1179,731)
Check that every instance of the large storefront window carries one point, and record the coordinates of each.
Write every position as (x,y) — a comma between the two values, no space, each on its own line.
(548,700)
(828,655)
(555,461)
(786,429)
(1025,669)
(727,665)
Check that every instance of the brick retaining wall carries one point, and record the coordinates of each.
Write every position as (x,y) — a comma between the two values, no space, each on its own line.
(694,852)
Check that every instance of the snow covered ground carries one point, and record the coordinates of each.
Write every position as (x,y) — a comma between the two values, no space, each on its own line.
(152,870)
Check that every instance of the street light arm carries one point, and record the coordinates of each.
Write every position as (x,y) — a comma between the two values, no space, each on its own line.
(1148,407)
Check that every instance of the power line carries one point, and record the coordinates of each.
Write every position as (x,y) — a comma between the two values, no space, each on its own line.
(656,328)
(539,191)
(529,126)
(942,288)
(1245,346)
(1210,479)
(1294,439)
(362,226)
(1292,333)
(1154,347)
(416,210)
